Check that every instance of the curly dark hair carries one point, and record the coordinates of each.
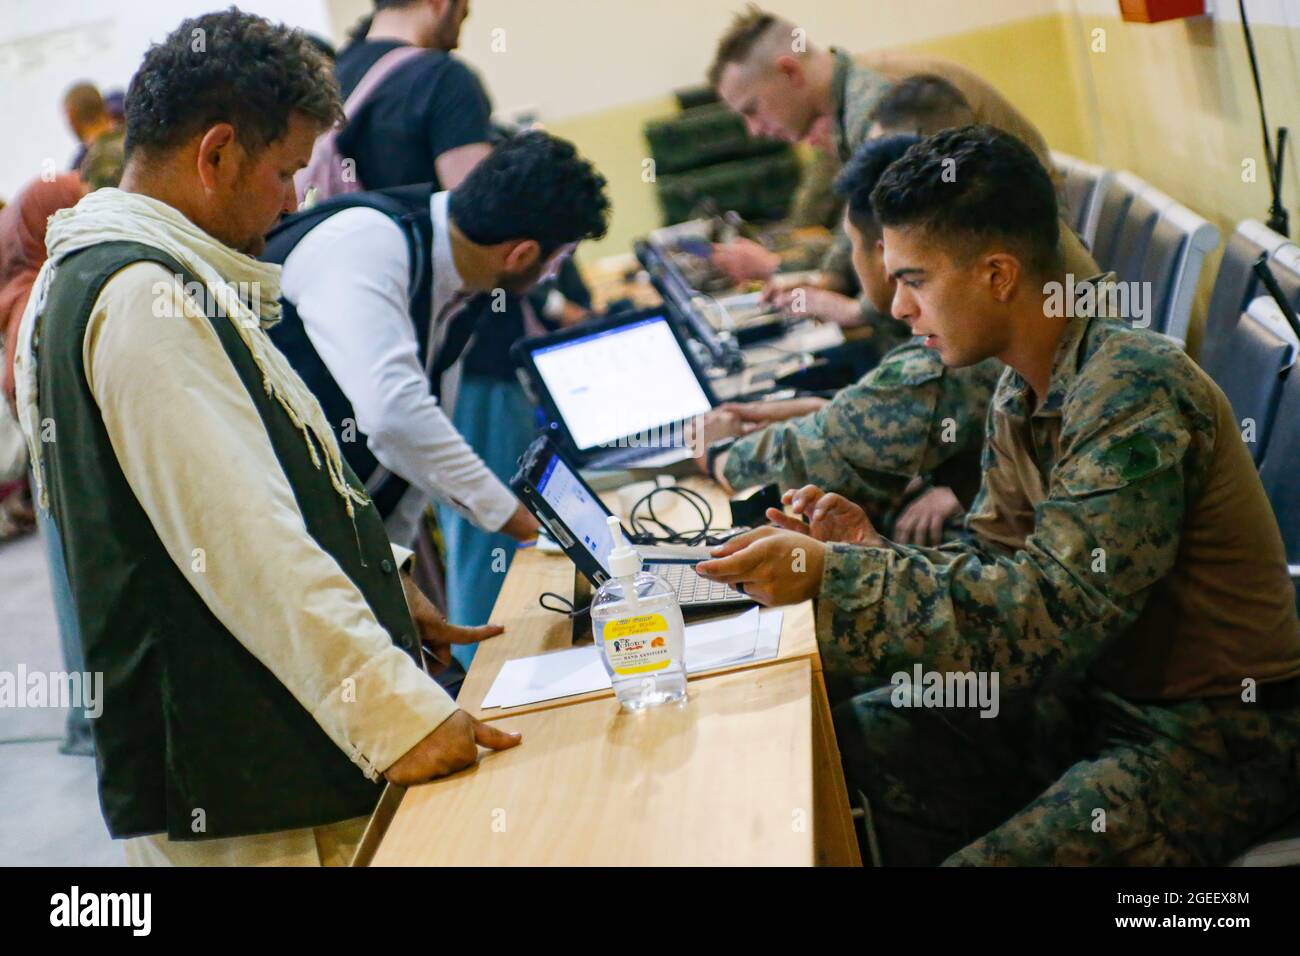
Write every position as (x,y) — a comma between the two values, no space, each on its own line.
(532,186)
(971,184)
(228,67)
(858,178)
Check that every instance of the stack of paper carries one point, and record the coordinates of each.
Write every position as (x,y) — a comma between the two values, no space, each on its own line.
(752,635)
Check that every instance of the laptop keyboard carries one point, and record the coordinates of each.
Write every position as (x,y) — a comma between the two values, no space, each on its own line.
(691,588)
(630,456)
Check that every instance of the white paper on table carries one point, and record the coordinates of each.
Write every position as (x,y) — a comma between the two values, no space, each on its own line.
(753,634)
(528,680)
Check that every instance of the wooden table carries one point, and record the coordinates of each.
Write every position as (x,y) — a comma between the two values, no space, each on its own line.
(748,772)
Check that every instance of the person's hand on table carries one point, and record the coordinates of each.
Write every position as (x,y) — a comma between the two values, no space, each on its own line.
(788,281)
(755,415)
(521,525)
(452,746)
(771,565)
(714,426)
(829,517)
(812,302)
(743,259)
(923,519)
(436,633)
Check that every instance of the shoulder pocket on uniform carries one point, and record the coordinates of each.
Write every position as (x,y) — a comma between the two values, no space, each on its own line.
(1132,453)
(909,366)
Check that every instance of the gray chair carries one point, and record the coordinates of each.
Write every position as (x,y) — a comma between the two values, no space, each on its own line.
(1132,236)
(1280,470)
(1248,364)
(1145,236)
(1236,284)
(1085,184)
(1280,475)
(1112,209)
(1285,265)
(1175,256)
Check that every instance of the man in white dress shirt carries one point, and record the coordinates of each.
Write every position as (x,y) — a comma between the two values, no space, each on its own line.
(371,287)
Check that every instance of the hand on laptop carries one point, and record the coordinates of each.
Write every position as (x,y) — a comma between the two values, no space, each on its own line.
(829,517)
(758,414)
(770,565)
(811,302)
(744,259)
(714,426)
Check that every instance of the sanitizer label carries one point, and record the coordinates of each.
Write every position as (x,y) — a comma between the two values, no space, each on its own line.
(637,645)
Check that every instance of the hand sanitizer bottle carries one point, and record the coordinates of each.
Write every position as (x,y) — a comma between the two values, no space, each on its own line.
(637,624)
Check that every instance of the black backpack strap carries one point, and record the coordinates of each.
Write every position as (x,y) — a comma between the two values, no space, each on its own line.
(400,205)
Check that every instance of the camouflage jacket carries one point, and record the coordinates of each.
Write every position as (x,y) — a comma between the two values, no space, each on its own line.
(1120,534)
(908,416)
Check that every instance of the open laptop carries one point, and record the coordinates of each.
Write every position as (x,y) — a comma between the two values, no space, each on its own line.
(552,489)
(619,392)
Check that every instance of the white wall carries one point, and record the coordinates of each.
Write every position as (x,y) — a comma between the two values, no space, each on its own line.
(574,57)
(47,45)
(565,58)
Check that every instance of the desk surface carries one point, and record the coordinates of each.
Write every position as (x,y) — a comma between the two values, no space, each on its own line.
(726,780)
(531,630)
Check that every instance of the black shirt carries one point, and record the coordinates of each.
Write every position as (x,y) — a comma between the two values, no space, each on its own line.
(488,356)
(429,105)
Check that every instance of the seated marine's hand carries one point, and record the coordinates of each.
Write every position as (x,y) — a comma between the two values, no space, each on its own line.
(772,566)
(812,302)
(830,517)
(744,259)
(753,415)
(923,519)
(453,745)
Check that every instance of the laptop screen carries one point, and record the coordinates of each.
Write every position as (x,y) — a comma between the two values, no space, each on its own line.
(620,382)
(583,515)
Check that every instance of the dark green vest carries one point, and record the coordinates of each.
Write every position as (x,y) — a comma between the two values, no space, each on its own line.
(194,728)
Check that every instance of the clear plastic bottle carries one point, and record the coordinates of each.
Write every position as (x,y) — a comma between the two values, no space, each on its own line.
(637,623)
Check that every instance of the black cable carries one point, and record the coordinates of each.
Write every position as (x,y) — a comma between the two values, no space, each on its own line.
(562,606)
(642,535)
(707,534)
(1279,220)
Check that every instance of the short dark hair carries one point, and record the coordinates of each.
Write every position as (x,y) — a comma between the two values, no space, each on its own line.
(923,104)
(359,30)
(972,184)
(228,67)
(531,186)
(738,42)
(858,178)
(84,102)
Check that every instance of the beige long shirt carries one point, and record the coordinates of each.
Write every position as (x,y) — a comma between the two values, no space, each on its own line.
(193,448)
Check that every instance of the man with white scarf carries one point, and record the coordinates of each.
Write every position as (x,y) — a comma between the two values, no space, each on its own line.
(262,664)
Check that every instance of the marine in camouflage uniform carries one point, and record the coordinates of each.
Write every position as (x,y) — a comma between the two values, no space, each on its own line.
(909,416)
(858,84)
(1126,582)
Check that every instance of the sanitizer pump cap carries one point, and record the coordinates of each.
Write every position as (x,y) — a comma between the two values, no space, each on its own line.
(623,560)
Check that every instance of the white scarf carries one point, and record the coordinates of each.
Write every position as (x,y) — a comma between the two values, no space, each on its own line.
(110,215)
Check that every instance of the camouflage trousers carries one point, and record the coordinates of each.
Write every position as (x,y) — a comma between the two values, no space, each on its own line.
(1078,777)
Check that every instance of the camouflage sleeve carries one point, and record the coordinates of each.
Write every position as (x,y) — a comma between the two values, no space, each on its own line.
(1107,531)
(904,417)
